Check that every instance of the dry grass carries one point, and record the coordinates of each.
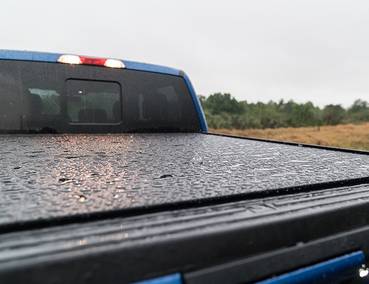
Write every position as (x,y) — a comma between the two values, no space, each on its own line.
(355,136)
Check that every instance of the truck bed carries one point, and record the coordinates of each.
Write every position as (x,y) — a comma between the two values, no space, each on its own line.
(67,175)
(78,208)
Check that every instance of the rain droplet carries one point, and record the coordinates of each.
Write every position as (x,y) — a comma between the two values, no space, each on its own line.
(82,198)
(166,176)
(363,272)
(63,179)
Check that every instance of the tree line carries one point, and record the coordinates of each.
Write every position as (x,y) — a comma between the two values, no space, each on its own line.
(224,111)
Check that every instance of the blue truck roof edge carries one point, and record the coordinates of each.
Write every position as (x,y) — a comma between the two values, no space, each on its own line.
(53,57)
(131,65)
(29,55)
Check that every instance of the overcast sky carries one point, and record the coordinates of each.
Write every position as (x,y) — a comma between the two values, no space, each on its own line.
(257,50)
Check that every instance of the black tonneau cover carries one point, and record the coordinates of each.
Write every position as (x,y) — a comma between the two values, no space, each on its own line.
(236,242)
(60,177)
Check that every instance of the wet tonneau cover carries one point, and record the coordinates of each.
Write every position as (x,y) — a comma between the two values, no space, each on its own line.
(56,176)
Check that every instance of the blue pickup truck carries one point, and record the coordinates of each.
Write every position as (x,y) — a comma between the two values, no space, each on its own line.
(109,175)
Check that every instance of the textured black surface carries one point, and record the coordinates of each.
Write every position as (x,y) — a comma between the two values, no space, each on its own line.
(98,250)
(54,176)
(167,225)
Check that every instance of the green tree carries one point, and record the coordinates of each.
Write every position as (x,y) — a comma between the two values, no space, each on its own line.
(218,103)
(224,111)
(333,114)
(359,111)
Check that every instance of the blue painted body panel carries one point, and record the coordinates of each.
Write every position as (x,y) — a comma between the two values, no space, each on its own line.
(53,57)
(197,104)
(169,279)
(131,65)
(329,270)
(29,55)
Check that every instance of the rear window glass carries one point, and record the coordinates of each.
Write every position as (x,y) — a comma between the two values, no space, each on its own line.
(48,100)
(93,102)
(49,97)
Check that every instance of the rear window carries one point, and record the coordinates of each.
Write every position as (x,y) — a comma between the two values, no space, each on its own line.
(47,97)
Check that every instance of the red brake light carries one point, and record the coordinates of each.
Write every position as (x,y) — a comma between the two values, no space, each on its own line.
(75,59)
(92,61)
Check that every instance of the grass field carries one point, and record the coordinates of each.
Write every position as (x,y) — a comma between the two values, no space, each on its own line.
(354,136)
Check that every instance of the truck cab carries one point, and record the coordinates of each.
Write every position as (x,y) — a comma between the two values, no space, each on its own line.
(63,93)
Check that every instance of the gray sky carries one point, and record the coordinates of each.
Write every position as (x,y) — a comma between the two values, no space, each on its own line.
(257,50)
